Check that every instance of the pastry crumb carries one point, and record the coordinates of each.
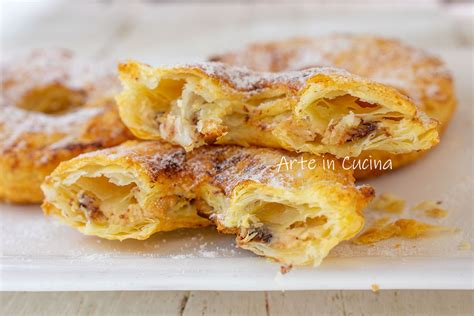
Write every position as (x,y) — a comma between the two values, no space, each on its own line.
(406,228)
(464,245)
(285,269)
(375,288)
(411,228)
(387,202)
(431,209)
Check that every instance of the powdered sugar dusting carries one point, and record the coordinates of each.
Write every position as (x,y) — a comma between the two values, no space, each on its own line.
(53,69)
(16,123)
(41,68)
(411,70)
(247,80)
(223,166)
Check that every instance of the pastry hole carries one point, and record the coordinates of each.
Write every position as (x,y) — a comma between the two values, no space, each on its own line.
(326,111)
(282,225)
(101,200)
(53,99)
(310,222)
(170,89)
(344,119)
(364,104)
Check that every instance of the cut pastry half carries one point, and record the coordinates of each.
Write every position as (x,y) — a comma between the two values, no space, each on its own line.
(420,75)
(294,215)
(318,110)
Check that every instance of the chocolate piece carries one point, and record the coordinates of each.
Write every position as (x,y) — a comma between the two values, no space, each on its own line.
(263,234)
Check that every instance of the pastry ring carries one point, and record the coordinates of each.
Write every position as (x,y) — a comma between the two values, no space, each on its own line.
(52,108)
(420,76)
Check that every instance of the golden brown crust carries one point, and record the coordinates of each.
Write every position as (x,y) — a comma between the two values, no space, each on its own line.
(422,77)
(236,188)
(52,108)
(317,110)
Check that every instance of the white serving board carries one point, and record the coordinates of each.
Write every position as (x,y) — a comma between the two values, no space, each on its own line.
(39,254)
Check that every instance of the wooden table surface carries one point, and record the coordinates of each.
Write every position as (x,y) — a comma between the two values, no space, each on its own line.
(239,303)
(112,29)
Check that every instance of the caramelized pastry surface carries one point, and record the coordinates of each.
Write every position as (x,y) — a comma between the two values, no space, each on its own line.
(421,76)
(291,215)
(52,108)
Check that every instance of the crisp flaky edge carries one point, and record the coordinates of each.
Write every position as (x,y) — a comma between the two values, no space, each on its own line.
(140,80)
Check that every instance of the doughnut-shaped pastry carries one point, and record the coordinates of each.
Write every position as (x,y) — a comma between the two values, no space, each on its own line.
(52,108)
(422,77)
(318,110)
(292,215)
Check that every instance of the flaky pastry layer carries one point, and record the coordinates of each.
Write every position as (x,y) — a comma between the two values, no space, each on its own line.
(415,73)
(294,216)
(52,108)
(318,110)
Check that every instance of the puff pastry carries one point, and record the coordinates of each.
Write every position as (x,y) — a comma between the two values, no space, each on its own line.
(318,110)
(52,108)
(415,73)
(292,215)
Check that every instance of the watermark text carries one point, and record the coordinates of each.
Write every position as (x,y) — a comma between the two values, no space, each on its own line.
(347,163)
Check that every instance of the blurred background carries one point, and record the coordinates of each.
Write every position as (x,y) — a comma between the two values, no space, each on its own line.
(178,31)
